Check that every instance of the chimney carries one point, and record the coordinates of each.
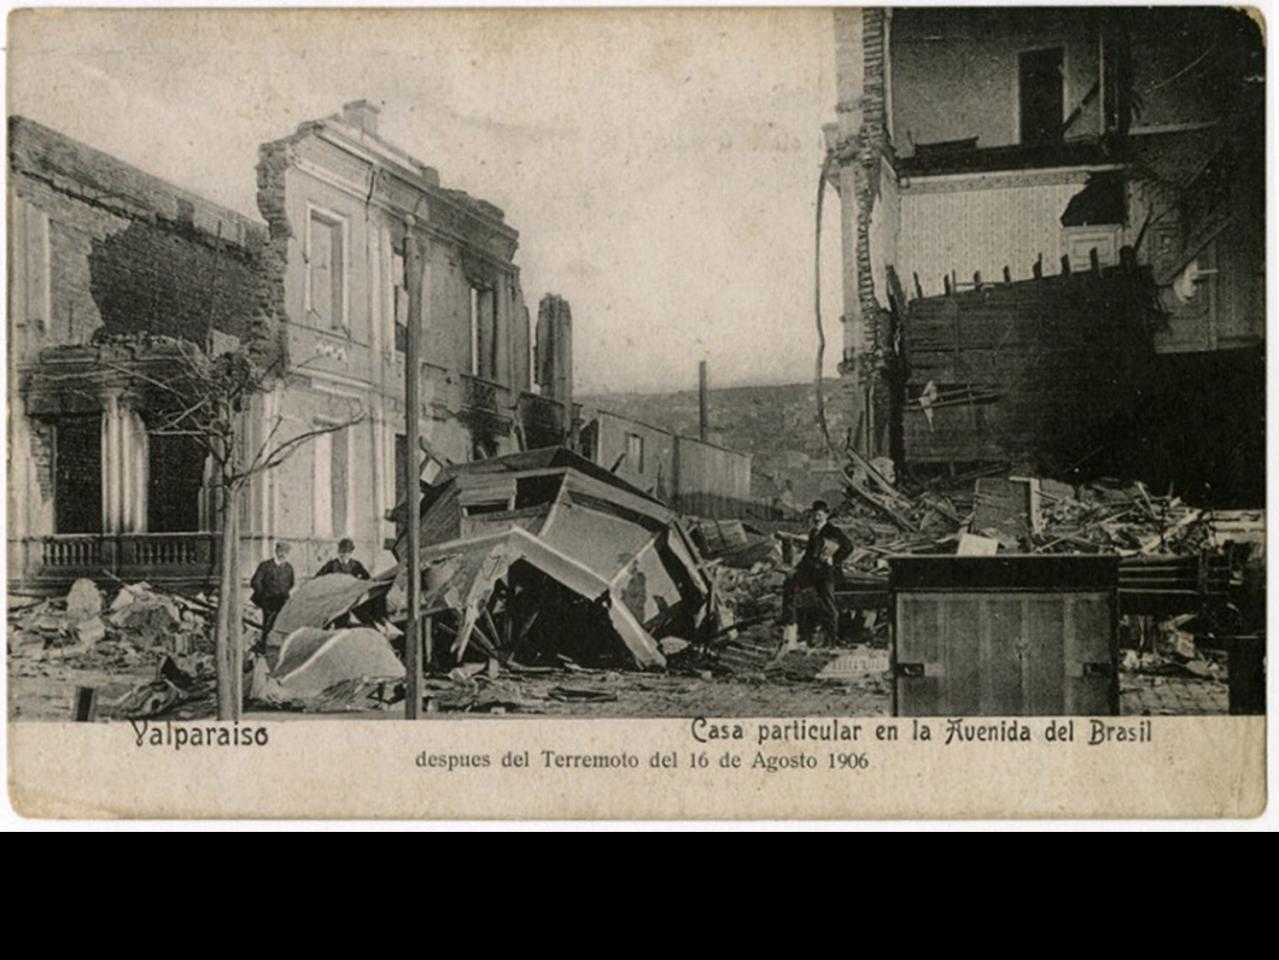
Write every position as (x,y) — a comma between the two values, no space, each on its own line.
(362,114)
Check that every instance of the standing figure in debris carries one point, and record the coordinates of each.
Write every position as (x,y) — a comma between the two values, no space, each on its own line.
(345,562)
(824,553)
(272,583)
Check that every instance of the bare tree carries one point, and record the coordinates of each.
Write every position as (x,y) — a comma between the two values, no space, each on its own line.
(197,394)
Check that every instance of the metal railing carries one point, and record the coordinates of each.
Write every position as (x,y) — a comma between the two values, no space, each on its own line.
(542,413)
(479,394)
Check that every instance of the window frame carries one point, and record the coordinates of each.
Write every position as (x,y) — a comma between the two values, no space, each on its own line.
(639,440)
(330,529)
(340,221)
(398,276)
(1063,107)
(475,294)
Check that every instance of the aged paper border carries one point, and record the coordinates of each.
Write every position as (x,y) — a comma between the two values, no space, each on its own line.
(1195,767)
(1198,767)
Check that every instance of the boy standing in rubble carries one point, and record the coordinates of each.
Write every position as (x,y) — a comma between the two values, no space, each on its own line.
(824,553)
(272,583)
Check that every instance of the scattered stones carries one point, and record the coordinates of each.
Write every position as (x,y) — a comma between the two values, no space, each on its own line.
(89,632)
(84,601)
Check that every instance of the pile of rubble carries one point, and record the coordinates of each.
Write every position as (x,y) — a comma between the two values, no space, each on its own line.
(83,624)
(583,570)
(1167,548)
(1022,515)
(140,629)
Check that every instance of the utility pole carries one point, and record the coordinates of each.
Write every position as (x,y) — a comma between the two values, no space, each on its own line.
(703,403)
(412,411)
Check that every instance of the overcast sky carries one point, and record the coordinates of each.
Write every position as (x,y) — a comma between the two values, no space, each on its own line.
(661,166)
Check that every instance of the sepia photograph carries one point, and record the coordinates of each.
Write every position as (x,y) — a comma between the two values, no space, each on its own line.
(613,364)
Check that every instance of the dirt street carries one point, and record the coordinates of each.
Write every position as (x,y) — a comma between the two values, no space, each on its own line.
(41,687)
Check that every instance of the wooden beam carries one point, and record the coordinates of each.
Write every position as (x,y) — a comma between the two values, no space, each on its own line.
(490,628)
(84,705)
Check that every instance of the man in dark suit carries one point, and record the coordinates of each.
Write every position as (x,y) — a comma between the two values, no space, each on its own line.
(824,553)
(272,583)
(345,562)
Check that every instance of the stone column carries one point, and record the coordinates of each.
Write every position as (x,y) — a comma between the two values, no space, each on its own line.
(125,451)
(503,373)
(111,487)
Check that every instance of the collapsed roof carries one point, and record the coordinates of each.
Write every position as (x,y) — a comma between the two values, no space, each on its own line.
(546,547)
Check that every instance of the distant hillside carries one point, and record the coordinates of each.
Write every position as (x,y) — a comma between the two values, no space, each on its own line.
(776,424)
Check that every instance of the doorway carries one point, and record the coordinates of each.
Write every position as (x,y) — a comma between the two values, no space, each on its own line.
(77,473)
(1040,88)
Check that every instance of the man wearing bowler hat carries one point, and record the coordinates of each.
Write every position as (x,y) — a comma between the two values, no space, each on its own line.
(824,553)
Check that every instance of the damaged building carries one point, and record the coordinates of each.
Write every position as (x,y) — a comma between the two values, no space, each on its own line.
(108,269)
(694,476)
(338,199)
(112,269)
(528,560)
(544,553)
(1054,241)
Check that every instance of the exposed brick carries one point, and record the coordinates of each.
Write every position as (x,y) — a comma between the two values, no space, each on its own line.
(129,252)
(42,456)
(269,309)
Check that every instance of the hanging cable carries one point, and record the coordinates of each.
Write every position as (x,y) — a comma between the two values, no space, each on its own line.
(849,452)
(817,304)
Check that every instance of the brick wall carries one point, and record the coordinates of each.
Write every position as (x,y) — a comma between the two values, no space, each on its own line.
(125,251)
(41,453)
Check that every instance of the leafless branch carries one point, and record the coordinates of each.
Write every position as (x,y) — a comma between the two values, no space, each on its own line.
(266,443)
(134,373)
(290,446)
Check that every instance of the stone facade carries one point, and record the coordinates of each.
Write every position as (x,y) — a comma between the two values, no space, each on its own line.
(103,256)
(101,253)
(339,200)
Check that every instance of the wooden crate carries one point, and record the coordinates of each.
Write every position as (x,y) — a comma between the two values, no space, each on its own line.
(1005,636)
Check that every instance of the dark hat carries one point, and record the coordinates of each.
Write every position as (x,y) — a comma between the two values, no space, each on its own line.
(346,545)
(821,505)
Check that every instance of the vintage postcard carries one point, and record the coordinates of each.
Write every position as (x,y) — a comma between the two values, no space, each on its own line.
(629,413)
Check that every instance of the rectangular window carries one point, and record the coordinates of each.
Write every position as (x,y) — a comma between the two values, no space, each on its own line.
(322,499)
(175,481)
(399,283)
(31,272)
(401,320)
(1040,91)
(77,474)
(635,452)
(326,270)
(401,468)
(492,338)
(338,471)
(477,343)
